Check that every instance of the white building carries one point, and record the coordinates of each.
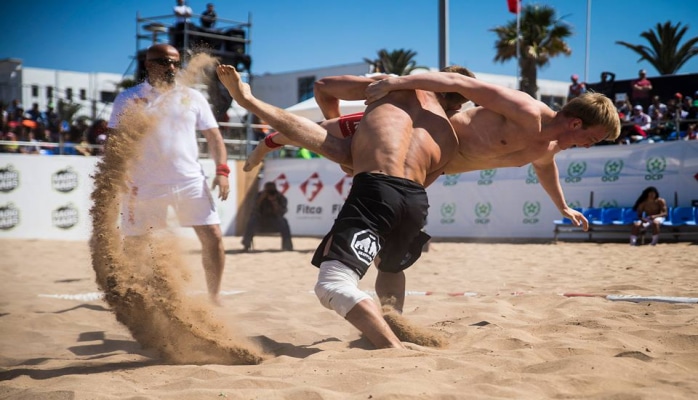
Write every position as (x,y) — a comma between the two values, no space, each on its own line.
(94,91)
(288,88)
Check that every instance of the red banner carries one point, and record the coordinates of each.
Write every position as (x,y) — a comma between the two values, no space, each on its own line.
(514,6)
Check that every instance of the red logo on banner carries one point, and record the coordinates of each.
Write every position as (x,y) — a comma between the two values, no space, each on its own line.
(281,183)
(343,186)
(311,187)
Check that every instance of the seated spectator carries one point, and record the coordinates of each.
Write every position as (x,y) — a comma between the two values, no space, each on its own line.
(651,211)
(691,132)
(268,215)
(641,124)
(208,17)
(656,106)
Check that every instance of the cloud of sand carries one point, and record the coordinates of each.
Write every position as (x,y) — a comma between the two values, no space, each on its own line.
(143,278)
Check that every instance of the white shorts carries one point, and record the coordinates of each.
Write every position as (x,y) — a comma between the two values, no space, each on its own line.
(145,208)
(658,220)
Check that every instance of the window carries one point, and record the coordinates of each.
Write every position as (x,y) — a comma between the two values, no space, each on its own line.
(35,90)
(69,94)
(49,92)
(305,87)
(107,97)
(83,94)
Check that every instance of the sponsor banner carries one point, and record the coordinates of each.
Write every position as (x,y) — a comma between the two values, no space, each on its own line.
(507,202)
(48,197)
(315,190)
(45,197)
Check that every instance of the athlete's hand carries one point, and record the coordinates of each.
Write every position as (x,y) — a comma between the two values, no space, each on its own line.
(576,217)
(377,90)
(223,186)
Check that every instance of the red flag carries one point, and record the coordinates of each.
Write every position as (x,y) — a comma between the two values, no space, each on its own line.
(514,6)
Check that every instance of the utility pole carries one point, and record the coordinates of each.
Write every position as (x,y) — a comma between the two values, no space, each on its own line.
(443,34)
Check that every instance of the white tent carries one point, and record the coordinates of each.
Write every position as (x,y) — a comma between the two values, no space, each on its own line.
(310,109)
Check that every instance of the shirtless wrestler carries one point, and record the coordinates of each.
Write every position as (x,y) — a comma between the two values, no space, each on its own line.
(403,143)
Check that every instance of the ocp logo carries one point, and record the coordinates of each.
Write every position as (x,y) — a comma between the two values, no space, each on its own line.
(574,204)
(531,209)
(532,177)
(487,176)
(451,180)
(612,170)
(655,167)
(575,171)
(365,246)
(613,203)
(9,179)
(448,212)
(9,216)
(482,213)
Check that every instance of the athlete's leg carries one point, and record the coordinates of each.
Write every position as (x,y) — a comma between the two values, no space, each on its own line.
(303,131)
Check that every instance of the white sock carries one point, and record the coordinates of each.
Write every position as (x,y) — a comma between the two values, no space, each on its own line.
(655,239)
(633,240)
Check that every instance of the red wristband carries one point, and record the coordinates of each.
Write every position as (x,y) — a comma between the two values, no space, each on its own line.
(270,143)
(223,169)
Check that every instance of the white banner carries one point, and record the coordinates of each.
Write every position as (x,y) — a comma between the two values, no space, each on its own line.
(48,197)
(504,202)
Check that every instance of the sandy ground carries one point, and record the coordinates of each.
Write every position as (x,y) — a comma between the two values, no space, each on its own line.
(510,331)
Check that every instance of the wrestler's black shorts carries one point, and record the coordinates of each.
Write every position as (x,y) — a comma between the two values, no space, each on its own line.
(383,216)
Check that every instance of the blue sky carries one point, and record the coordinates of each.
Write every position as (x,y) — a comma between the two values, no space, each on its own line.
(99,35)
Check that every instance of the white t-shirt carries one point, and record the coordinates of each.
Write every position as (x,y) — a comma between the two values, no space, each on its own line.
(179,11)
(169,153)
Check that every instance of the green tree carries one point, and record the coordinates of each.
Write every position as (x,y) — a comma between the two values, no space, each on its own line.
(664,52)
(542,37)
(67,110)
(398,62)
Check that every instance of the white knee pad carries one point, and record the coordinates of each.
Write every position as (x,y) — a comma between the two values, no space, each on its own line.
(337,287)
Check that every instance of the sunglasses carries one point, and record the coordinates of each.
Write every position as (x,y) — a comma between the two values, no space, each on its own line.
(166,62)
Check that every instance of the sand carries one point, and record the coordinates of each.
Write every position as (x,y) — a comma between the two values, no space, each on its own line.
(510,332)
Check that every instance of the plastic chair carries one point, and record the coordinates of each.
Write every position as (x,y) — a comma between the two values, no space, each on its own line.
(608,215)
(565,220)
(681,216)
(592,214)
(627,217)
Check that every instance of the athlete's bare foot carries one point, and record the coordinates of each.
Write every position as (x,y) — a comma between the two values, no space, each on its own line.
(230,78)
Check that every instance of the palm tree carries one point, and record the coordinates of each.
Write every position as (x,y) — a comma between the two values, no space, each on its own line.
(398,62)
(664,52)
(542,37)
(67,110)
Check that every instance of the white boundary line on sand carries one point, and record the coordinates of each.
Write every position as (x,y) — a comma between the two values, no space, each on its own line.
(92,296)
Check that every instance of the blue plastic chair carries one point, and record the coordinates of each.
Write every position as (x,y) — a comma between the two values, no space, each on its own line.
(592,214)
(627,217)
(681,216)
(608,215)
(565,220)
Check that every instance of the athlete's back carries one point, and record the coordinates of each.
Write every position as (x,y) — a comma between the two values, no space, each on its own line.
(407,135)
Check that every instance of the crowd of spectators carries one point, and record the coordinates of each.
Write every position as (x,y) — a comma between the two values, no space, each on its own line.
(35,131)
(662,120)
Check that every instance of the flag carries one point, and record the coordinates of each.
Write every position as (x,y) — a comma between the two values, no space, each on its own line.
(514,6)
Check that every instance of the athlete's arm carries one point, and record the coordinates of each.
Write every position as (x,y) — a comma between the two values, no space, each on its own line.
(513,104)
(328,91)
(549,178)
